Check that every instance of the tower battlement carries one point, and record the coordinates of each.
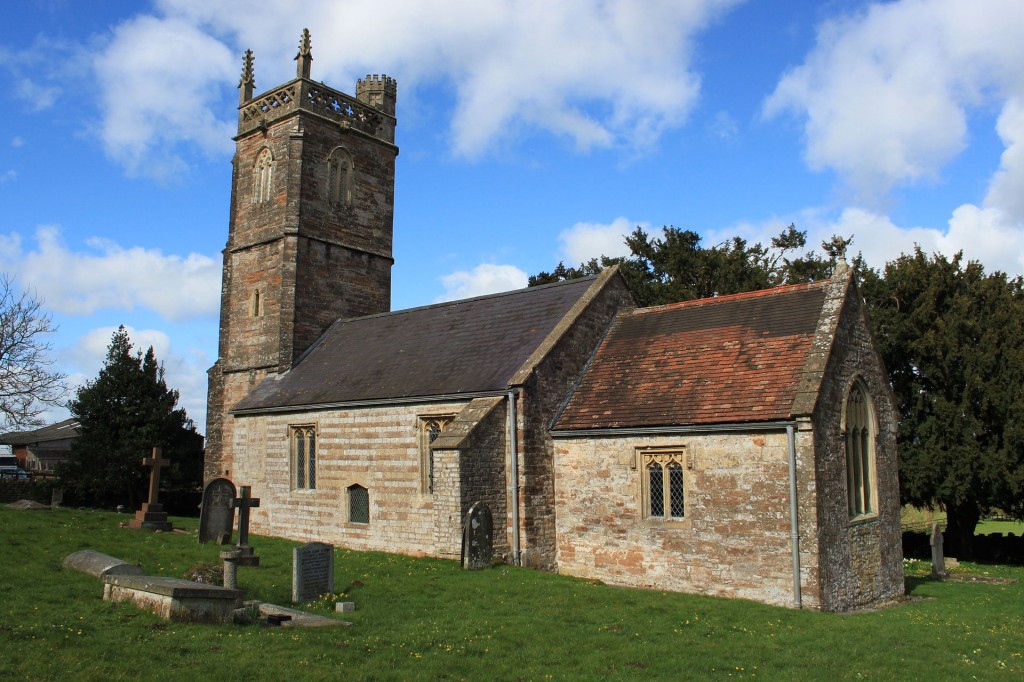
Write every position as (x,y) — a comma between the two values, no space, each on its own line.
(371,111)
(380,92)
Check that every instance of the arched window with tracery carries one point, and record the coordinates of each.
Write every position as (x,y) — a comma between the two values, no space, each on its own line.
(664,484)
(303,458)
(263,176)
(861,476)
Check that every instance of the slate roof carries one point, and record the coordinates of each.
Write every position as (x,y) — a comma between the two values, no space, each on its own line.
(469,346)
(721,360)
(59,431)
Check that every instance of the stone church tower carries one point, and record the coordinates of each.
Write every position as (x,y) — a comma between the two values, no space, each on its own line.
(310,232)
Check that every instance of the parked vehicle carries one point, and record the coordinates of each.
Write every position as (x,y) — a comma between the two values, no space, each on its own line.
(9,468)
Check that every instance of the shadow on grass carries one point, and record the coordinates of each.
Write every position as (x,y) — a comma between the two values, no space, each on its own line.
(912,582)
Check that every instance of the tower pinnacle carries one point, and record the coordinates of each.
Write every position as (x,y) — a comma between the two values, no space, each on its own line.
(304,58)
(248,81)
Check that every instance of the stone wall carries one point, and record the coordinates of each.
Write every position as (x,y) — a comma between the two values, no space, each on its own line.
(544,393)
(734,540)
(376,447)
(862,561)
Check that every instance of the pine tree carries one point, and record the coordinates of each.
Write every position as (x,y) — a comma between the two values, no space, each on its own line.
(123,414)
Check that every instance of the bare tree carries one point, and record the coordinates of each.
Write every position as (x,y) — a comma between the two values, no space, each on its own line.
(27,384)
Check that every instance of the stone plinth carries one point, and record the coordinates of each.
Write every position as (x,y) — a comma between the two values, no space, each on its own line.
(98,564)
(175,599)
(151,517)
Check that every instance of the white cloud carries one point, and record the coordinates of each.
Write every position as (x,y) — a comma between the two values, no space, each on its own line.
(8,175)
(886,93)
(982,234)
(17,141)
(111,276)
(600,74)
(584,241)
(486,278)
(160,81)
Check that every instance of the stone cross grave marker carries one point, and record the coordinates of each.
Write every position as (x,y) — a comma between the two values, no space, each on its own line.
(477,538)
(217,516)
(312,571)
(243,503)
(242,554)
(152,514)
(938,559)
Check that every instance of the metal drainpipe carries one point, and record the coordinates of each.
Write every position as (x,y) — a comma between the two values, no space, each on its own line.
(514,450)
(793,511)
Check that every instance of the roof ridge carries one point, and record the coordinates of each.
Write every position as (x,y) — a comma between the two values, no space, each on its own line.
(498,294)
(726,298)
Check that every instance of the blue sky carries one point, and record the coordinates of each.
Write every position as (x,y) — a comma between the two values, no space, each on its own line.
(530,132)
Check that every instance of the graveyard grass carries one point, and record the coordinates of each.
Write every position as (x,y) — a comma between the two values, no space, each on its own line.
(427,619)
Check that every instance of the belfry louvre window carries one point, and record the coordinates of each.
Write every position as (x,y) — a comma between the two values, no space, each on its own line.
(339,178)
(303,459)
(664,484)
(263,175)
(860,453)
(429,429)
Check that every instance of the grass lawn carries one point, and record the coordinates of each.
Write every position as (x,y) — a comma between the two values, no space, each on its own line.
(426,619)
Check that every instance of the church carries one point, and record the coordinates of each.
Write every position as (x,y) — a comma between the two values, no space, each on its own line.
(740,446)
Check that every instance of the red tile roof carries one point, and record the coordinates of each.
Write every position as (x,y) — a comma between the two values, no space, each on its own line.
(720,360)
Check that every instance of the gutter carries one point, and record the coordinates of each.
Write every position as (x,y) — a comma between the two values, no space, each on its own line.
(794,529)
(514,454)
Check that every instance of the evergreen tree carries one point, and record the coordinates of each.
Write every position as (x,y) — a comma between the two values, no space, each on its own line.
(677,267)
(124,413)
(952,338)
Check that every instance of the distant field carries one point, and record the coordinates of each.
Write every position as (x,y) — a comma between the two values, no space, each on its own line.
(922,519)
(425,619)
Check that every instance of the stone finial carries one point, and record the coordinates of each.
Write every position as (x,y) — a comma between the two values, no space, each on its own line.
(304,58)
(248,81)
(379,91)
(842,268)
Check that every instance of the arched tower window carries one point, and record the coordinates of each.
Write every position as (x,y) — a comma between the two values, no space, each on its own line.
(263,175)
(861,476)
(339,178)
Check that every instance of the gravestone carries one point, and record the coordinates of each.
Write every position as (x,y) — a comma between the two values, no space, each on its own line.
(152,515)
(56,497)
(312,571)
(478,538)
(98,564)
(217,516)
(938,560)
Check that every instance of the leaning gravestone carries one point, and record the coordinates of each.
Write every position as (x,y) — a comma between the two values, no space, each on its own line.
(312,571)
(217,516)
(478,538)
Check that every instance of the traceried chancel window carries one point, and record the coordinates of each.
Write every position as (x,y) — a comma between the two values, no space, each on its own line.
(303,457)
(861,475)
(430,429)
(664,484)
(263,176)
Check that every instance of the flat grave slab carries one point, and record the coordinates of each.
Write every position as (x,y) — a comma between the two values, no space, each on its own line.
(174,598)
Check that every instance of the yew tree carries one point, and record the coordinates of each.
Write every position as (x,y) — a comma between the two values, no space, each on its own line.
(123,414)
(952,338)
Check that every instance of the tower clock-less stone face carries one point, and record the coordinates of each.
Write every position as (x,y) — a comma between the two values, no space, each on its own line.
(310,235)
